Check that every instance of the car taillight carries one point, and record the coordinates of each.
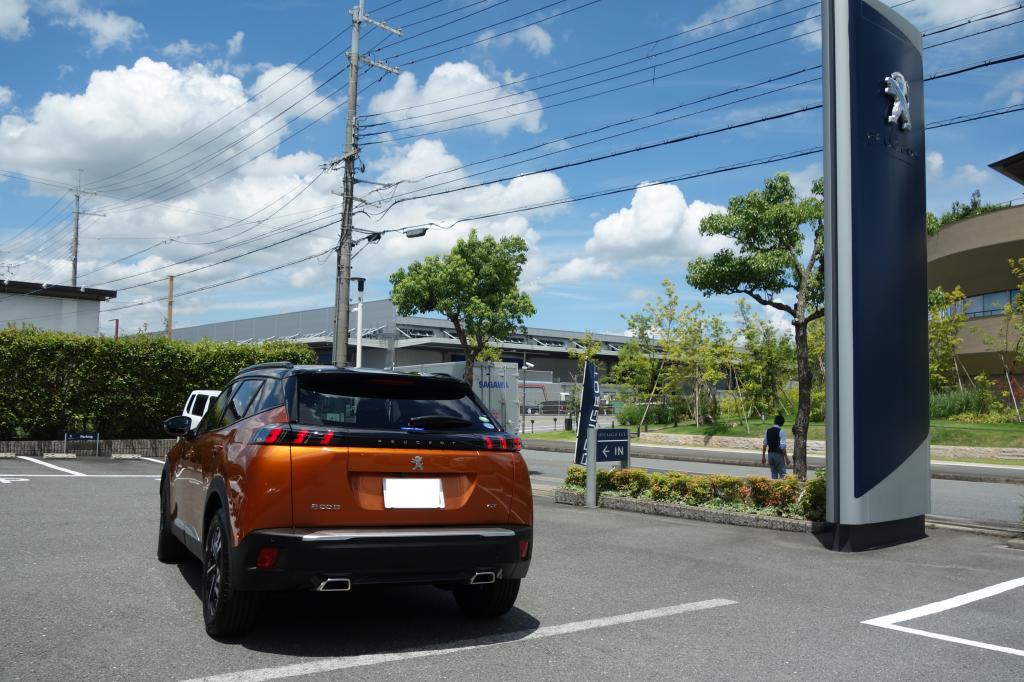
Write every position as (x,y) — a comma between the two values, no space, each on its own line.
(524,549)
(503,443)
(278,434)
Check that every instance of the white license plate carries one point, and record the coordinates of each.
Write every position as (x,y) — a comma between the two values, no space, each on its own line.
(413,493)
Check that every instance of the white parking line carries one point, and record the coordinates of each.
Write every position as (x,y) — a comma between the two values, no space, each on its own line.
(891,622)
(347,662)
(154,460)
(52,466)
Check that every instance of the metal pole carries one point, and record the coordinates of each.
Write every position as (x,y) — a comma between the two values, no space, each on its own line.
(117,328)
(74,234)
(170,306)
(592,467)
(360,285)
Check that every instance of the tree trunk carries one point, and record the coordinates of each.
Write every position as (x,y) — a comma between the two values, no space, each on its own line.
(803,407)
(467,374)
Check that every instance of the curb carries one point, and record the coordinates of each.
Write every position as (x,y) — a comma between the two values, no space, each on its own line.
(6,455)
(554,446)
(59,455)
(684,511)
(125,456)
(1016,543)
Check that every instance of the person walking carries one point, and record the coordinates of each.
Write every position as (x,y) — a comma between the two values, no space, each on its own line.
(775,447)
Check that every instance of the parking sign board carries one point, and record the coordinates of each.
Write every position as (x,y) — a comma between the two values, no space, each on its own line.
(613,445)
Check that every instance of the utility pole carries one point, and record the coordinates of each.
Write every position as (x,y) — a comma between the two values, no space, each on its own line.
(117,328)
(170,305)
(74,232)
(341,293)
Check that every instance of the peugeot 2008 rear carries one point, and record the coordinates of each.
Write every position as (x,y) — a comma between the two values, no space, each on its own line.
(390,478)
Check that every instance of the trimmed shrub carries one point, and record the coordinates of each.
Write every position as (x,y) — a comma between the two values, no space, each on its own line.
(727,488)
(632,482)
(811,503)
(576,476)
(56,382)
(699,491)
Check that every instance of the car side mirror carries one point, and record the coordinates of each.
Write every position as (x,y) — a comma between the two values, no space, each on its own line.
(178,426)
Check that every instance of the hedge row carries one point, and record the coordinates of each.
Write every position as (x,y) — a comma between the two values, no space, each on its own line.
(54,382)
(757,494)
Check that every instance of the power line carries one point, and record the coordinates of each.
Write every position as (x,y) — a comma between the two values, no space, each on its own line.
(601,72)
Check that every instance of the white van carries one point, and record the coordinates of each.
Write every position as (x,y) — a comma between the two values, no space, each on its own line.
(197,404)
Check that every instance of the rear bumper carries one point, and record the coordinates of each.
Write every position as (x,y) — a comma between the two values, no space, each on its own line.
(307,557)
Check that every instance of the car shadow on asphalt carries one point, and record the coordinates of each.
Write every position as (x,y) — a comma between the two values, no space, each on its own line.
(368,620)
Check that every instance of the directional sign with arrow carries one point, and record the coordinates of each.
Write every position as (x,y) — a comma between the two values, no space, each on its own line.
(613,445)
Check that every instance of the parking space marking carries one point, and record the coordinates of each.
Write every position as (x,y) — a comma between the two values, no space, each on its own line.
(348,662)
(154,460)
(892,621)
(52,466)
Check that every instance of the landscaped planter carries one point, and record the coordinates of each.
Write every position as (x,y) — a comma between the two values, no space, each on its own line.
(685,511)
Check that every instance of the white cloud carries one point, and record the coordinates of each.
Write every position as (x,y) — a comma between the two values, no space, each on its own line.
(972,175)
(296,85)
(1012,87)
(782,321)
(535,38)
(182,49)
(451,86)
(639,294)
(809,30)
(106,29)
(803,180)
(13,19)
(658,228)
(934,162)
(719,12)
(6,95)
(235,43)
(931,14)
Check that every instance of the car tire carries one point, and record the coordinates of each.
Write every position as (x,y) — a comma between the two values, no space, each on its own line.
(487,601)
(169,549)
(226,611)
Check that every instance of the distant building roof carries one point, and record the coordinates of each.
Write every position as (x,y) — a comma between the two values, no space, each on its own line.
(10,286)
(1012,167)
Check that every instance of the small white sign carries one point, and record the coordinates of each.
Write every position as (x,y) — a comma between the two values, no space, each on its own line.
(413,493)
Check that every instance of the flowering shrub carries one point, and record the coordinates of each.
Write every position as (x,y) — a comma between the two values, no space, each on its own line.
(756,494)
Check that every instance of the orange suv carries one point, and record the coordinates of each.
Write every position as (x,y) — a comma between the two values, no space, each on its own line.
(319,478)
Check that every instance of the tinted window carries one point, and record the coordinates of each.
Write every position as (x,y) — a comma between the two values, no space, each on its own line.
(240,400)
(271,396)
(408,404)
(215,415)
(199,408)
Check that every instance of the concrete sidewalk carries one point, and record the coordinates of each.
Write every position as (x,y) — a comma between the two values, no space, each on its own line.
(954,471)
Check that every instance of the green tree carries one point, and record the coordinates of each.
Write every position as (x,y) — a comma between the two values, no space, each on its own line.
(1009,343)
(769,257)
(764,364)
(947,314)
(960,211)
(476,287)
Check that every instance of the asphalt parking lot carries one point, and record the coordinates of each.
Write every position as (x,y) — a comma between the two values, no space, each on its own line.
(610,595)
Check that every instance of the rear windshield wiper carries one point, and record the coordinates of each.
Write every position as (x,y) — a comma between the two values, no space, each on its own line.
(438,421)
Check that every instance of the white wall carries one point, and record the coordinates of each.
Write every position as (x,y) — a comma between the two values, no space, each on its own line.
(50,313)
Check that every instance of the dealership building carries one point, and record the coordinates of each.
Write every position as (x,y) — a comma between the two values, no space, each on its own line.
(974,254)
(392,340)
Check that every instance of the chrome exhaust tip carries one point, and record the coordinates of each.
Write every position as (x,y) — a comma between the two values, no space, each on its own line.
(335,585)
(482,578)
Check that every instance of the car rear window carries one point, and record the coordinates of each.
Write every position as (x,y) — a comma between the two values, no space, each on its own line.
(389,403)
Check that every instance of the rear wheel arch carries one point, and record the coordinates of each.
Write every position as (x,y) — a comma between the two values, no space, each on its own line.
(216,498)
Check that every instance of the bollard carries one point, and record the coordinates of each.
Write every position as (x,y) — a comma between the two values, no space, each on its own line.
(592,468)
(531,426)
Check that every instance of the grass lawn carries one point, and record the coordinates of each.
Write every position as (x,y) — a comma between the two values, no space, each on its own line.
(944,432)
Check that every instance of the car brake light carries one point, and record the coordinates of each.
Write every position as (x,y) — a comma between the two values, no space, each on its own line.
(524,548)
(283,435)
(268,557)
(503,444)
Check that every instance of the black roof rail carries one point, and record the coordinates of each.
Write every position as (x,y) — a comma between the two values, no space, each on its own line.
(280,364)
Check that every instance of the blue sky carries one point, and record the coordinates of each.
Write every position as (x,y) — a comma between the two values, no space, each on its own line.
(157,103)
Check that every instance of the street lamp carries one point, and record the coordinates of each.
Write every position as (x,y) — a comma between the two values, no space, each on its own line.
(360,284)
